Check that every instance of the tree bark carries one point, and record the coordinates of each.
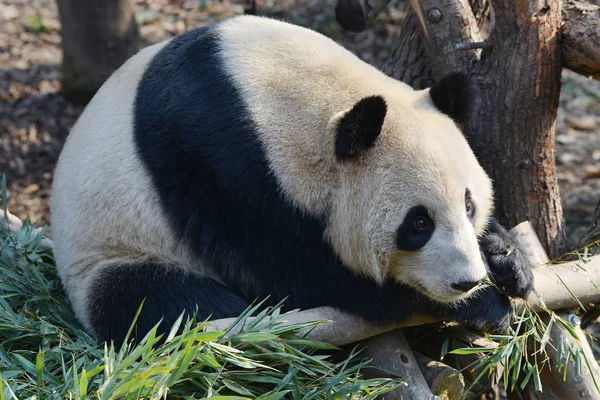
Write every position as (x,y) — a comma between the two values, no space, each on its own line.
(392,358)
(98,36)
(444,381)
(581,38)
(514,133)
(408,61)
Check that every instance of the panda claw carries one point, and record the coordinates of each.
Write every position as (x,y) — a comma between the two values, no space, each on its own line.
(506,264)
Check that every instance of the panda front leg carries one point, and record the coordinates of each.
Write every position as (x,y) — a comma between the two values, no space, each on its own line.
(118,290)
(505,262)
(488,309)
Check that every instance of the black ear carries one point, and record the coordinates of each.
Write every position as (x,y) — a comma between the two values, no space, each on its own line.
(457,96)
(359,128)
(350,15)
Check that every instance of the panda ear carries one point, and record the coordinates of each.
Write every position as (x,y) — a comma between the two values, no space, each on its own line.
(457,96)
(358,128)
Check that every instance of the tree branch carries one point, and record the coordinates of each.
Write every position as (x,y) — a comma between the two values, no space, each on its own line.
(580,31)
(581,38)
(444,24)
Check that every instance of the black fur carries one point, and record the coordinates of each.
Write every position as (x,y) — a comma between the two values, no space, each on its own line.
(457,96)
(360,127)
(195,136)
(350,15)
(118,291)
(505,262)
(408,237)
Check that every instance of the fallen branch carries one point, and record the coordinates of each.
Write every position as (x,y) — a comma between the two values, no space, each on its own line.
(393,358)
(444,381)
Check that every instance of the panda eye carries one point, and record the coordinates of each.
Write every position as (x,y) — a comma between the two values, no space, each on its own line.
(416,229)
(469,205)
(422,223)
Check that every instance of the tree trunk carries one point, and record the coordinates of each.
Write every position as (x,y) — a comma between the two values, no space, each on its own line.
(518,71)
(97,37)
(514,134)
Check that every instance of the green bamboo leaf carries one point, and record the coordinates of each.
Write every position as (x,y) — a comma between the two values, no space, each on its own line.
(578,362)
(527,377)
(271,396)
(591,371)
(537,380)
(39,370)
(1,387)
(228,398)
(571,293)
(83,383)
(252,337)
(473,350)
(208,336)
(560,350)
(312,344)
(444,349)
(237,388)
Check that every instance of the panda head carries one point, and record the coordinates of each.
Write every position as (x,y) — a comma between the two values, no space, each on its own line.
(412,198)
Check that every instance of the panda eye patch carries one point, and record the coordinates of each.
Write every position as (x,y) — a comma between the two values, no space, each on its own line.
(416,229)
(469,204)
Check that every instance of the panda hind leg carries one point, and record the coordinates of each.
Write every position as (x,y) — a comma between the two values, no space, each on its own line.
(118,291)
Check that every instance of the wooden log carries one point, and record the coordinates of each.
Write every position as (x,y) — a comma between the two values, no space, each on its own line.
(472,339)
(529,244)
(430,342)
(444,381)
(15,224)
(392,358)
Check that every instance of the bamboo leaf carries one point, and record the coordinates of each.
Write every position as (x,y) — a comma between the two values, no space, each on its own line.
(472,350)
(536,379)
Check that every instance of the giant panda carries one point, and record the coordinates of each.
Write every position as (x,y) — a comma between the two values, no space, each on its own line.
(256,159)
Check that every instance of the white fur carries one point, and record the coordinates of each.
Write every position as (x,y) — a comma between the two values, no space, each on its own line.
(104,207)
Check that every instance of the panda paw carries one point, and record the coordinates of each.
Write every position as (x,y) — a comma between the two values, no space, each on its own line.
(486,311)
(506,264)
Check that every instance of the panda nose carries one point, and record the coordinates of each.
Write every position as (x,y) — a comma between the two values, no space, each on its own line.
(465,286)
